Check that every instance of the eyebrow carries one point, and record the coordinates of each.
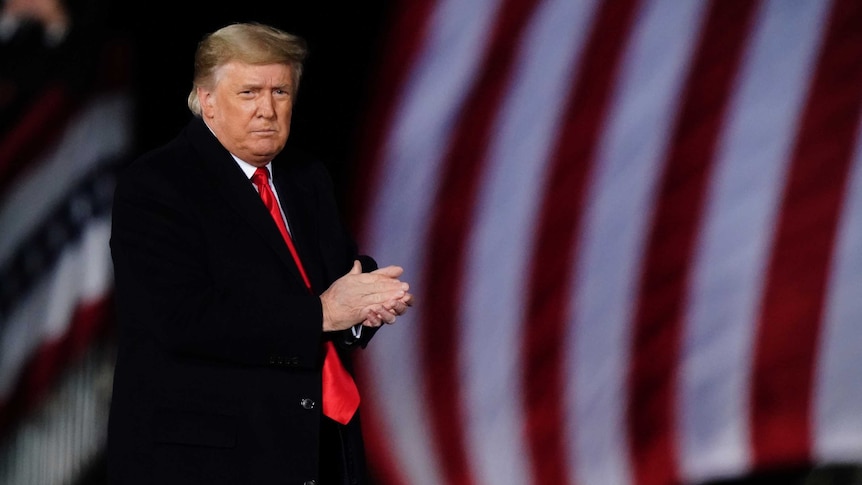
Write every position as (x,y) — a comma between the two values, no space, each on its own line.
(251,86)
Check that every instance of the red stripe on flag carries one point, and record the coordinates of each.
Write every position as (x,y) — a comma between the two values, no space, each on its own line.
(383,468)
(656,335)
(572,160)
(793,303)
(38,128)
(461,178)
(52,358)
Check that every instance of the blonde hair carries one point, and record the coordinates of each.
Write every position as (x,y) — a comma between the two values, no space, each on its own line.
(250,43)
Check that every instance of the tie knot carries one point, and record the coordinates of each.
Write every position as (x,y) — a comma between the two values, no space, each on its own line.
(261,176)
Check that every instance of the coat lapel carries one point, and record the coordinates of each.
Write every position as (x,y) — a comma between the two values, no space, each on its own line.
(297,202)
(231,181)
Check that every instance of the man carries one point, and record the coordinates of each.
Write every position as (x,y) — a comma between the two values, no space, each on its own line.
(224,334)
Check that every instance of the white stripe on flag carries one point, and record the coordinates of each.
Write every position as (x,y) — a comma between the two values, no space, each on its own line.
(733,252)
(838,390)
(503,230)
(412,155)
(615,224)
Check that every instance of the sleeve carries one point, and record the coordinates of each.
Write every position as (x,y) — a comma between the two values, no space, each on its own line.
(356,336)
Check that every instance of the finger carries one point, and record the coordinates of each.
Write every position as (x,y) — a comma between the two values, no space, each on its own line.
(384,312)
(388,316)
(378,299)
(372,320)
(388,285)
(398,307)
(357,267)
(380,283)
(391,271)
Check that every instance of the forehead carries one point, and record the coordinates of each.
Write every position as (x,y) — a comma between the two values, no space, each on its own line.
(236,72)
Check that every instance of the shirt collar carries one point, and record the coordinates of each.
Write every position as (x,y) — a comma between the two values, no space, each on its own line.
(248,168)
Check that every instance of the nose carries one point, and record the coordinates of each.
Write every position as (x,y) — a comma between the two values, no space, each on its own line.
(265,106)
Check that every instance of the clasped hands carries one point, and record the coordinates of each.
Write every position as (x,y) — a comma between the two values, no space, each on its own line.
(371,298)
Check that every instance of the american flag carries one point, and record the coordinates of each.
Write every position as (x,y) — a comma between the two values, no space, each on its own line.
(65,132)
(634,232)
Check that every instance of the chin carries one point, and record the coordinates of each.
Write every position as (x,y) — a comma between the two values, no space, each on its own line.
(269,150)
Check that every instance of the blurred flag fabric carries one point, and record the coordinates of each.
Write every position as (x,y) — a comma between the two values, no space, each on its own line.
(66,128)
(634,233)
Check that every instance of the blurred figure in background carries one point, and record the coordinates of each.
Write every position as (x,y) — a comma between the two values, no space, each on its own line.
(45,43)
(33,36)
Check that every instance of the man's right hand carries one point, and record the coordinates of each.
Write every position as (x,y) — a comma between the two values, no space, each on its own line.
(371,298)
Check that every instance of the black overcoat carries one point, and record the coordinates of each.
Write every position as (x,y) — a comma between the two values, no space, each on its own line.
(218,375)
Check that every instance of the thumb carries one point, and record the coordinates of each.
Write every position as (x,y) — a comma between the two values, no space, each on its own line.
(357,267)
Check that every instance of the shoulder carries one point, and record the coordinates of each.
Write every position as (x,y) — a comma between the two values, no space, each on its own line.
(155,167)
(168,160)
(298,161)
(158,169)
(302,167)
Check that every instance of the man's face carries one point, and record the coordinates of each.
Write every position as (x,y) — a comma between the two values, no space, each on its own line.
(249,109)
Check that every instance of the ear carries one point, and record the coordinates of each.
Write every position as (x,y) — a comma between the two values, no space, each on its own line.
(206,98)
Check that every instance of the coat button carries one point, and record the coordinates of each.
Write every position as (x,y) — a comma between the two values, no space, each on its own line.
(307,403)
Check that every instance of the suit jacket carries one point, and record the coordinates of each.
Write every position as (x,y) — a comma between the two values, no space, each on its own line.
(218,374)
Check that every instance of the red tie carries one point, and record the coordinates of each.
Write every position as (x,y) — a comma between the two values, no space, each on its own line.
(340,395)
